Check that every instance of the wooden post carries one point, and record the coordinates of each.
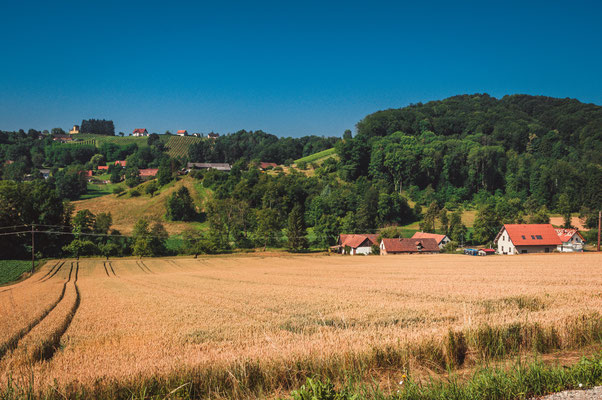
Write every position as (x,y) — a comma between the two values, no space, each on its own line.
(32,251)
(599,223)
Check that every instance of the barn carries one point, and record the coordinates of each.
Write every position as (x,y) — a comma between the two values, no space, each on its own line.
(442,240)
(409,246)
(527,238)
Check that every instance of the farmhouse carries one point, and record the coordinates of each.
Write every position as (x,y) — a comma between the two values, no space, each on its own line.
(358,244)
(103,168)
(212,135)
(148,172)
(408,246)
(442,240)
(571,239)
(267,165)
(182,132)
(45,173)
(123,163)
(74,130)
(62,138)
(527,238)
(140,132)
(218,166)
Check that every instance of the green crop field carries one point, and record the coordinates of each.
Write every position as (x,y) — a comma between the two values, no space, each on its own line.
(11,270)
(177,146)
(319,156)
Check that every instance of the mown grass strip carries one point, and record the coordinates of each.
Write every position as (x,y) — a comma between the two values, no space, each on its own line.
(316,156)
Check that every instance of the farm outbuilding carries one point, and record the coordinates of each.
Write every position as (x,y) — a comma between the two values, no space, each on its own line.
(409,246)
(527,238)
(442,240)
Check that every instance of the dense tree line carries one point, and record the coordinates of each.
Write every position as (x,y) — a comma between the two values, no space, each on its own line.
(534,149)
(98,127)
(258,145)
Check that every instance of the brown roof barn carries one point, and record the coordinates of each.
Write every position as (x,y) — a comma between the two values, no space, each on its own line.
(409,246)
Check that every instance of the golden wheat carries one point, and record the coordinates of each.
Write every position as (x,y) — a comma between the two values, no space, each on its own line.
(155,317)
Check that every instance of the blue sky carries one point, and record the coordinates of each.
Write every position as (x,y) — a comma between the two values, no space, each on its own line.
(289,68)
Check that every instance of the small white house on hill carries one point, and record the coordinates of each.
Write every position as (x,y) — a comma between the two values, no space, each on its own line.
(527,238)
(571,239)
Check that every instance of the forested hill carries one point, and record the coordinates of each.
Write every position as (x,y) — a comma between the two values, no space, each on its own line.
(527,147)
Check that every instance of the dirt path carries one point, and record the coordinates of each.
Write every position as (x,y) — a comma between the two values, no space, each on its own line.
(590,394)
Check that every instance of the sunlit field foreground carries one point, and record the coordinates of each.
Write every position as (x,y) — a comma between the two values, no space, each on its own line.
(256,326)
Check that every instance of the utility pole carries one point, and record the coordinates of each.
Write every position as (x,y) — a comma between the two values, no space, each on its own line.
(599,223)
(32,251)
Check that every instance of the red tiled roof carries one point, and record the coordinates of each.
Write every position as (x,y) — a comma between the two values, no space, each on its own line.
(122,163)
(149,172)
(425,235)
(532,234)
(182,131)
(488,250)
(264,165)
(103,167)
(139,130)
(405,245)
(88,173)
(566,234)
(354,241)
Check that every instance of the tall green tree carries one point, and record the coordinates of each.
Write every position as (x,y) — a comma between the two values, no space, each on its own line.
(268,227)
(486,224)
(296,230)
(180,206)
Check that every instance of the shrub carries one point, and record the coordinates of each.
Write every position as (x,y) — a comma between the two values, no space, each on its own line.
(118,190)
(134,193)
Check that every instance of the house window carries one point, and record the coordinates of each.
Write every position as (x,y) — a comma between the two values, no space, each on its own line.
(502,249)
(538,237)
(547,250)
(523,236)
(523,251)
(533,237)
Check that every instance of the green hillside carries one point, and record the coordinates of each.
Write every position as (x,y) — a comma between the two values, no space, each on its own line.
(317,157)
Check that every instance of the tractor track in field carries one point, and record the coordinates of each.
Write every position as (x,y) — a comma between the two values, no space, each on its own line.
(49,347)
(146,266)
(111,266)
(104,264)
(51,270)
(140,266)
(55,272)
(12,343)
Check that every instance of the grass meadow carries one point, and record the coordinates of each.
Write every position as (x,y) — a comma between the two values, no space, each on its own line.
(260,325)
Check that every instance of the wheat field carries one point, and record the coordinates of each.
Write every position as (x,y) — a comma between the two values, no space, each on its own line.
(243,326)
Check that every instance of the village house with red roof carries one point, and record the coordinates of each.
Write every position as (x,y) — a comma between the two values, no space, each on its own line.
(148,172)
(140,132)
(527,238)
(182,132)
(408,246)
(442,240)
(357,243)
(123,163)
(572,240)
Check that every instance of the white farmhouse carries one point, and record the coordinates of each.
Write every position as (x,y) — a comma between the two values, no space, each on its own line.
(527,238)
(358,244)
(571,239)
